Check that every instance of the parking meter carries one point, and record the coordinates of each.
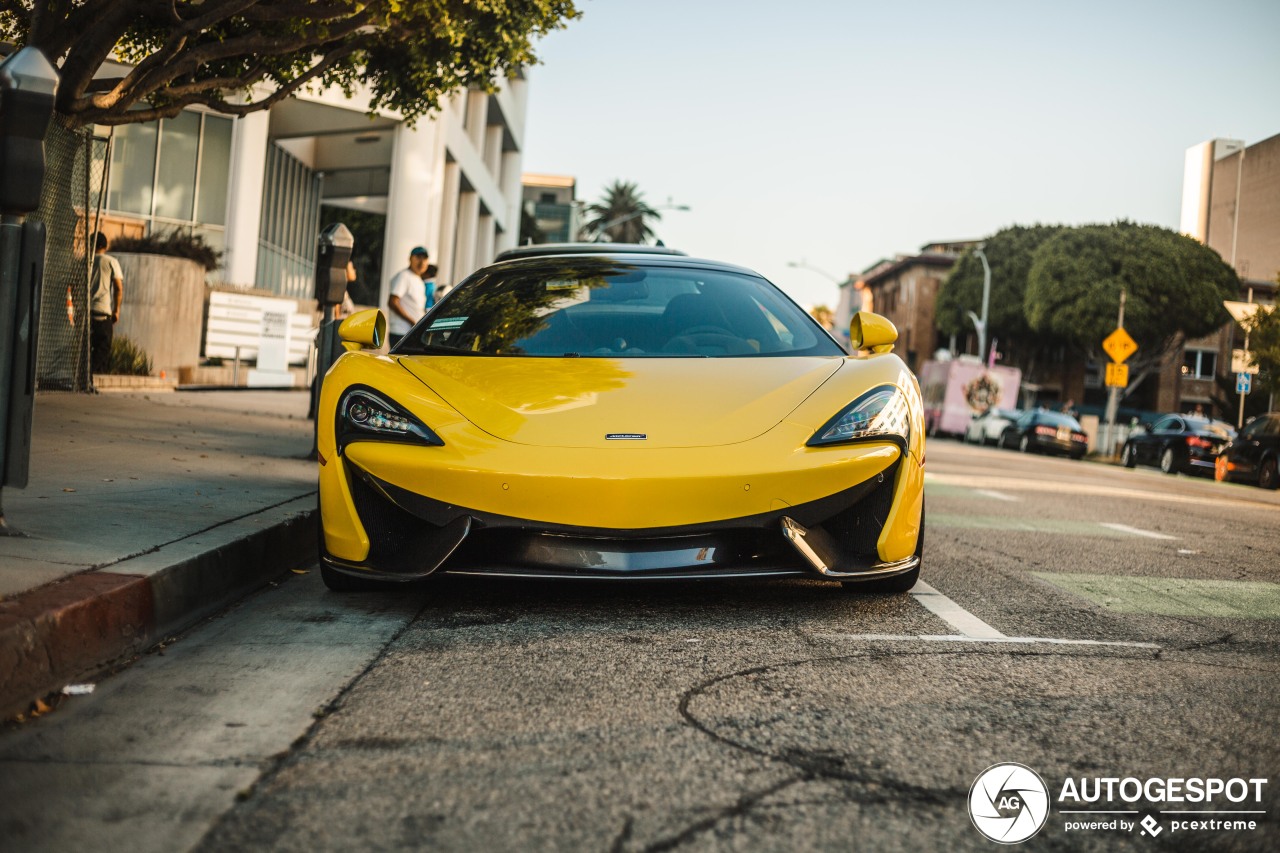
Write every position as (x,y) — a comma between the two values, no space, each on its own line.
(28,85)
(333,253)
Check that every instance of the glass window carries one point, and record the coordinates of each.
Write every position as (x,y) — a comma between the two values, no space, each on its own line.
(1199,364)
(215,167)
(583,307)
(1057,419)
(133,168)
(176,173)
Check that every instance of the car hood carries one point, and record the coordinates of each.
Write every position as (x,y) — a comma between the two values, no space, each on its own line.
(638,402)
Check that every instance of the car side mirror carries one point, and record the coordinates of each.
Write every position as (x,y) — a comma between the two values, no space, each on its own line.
(363,329)
(872,331)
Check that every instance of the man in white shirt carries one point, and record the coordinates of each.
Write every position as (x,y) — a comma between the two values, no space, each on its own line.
(408,300)
(106,291)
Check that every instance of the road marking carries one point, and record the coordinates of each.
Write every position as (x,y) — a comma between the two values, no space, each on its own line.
(979,481)
(1136,531)
(1000,496)
(1172,596)
(959,638)
(953,614)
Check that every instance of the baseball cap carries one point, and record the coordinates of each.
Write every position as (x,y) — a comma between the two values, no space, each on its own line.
(419,251)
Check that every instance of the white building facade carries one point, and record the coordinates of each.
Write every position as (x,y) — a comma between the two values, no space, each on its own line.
(259,188)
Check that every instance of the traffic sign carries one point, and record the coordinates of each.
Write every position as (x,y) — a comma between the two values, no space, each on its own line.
(1119,345)
(1241,311)
(1243,381)
(1117,375)
(1240,362)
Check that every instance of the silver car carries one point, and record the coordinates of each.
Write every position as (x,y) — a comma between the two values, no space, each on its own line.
(985,428)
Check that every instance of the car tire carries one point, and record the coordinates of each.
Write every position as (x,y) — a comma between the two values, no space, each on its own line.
(1128,458)
(1024,444)
(1268,475)
(1169,461)
(898,583)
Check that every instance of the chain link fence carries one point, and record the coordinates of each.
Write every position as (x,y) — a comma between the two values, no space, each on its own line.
(75,184)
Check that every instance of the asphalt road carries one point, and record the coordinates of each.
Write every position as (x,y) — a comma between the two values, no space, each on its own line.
(1086,621)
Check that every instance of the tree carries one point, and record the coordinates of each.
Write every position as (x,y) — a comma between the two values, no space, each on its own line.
(621,215)
(1009,252)
(1264,348)
(239,56)
(1175,287)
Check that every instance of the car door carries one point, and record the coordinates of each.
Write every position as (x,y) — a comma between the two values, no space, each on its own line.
(1146,444)
(1246,450)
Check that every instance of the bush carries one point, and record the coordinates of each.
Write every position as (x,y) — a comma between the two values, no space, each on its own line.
(128,359)
(177,244)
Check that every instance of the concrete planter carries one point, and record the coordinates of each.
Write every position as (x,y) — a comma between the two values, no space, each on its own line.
(163,309)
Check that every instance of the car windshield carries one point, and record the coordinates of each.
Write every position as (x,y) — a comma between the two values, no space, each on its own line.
(610,308)
(1057,419)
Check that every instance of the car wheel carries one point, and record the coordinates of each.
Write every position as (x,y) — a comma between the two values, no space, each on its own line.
(898,583)
(1168,461)
(1024,444)
(1268,477)
(1128,458)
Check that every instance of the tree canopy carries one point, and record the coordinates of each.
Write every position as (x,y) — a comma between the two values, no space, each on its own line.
(1175,287)
(1264,347)
(1009,253)
(239,56)
(621,216)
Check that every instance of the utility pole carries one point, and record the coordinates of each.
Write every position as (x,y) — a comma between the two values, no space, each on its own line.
(1113,395)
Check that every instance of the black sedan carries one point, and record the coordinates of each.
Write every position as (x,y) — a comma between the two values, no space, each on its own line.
(1253,455)
(1177,444)
(1046,432)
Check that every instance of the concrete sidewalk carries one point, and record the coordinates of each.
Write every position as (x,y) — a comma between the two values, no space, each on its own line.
(145,513)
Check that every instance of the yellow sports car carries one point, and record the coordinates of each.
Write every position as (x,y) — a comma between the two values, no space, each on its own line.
(605,411)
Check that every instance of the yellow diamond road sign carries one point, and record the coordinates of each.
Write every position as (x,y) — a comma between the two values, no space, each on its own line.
(1119,345)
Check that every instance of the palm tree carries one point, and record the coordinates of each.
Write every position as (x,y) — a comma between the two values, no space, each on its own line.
(621,216)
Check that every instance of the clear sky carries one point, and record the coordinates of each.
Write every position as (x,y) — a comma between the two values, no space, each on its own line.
(840,133)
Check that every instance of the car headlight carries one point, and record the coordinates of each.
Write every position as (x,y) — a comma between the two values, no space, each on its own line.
(365,415)
(878,415)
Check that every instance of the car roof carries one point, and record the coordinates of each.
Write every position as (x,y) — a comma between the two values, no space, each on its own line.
(539,250)
(669,258)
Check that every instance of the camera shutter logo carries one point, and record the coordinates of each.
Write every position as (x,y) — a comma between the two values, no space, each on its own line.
(1008,803)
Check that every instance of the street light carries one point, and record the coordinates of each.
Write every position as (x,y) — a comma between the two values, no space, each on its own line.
(804,265)
(603,229)
(980,323)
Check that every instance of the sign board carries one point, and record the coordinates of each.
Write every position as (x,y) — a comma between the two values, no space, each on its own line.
(273,340)
(1243,381)
(1119,345)
(1117,375)
(234,326)
(1241,311)
(1240,362)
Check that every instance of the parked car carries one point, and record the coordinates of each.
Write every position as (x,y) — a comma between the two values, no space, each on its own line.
(620,412)
(1040,430)
(987,427)
(1253,455)
(1186,444)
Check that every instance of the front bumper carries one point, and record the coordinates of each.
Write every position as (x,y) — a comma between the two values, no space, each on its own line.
(836,537)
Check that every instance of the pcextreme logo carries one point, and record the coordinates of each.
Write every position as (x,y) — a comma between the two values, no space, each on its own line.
(1009,803)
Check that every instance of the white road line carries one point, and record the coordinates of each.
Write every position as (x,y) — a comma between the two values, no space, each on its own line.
(953,614)
(958,638)
(1136,531)
(1000,496)
(1059,488)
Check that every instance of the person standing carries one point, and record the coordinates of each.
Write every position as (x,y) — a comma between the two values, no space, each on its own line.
(106,291)
(408,299)
(429,281)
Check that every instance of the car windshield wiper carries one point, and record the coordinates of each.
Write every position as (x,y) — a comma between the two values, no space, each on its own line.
(436,349)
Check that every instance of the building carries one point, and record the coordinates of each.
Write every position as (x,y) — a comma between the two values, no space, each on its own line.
(1231,203)
(905,290)
(260,187)
(551,207)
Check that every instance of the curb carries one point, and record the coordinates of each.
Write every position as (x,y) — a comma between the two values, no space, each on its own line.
(56,634)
